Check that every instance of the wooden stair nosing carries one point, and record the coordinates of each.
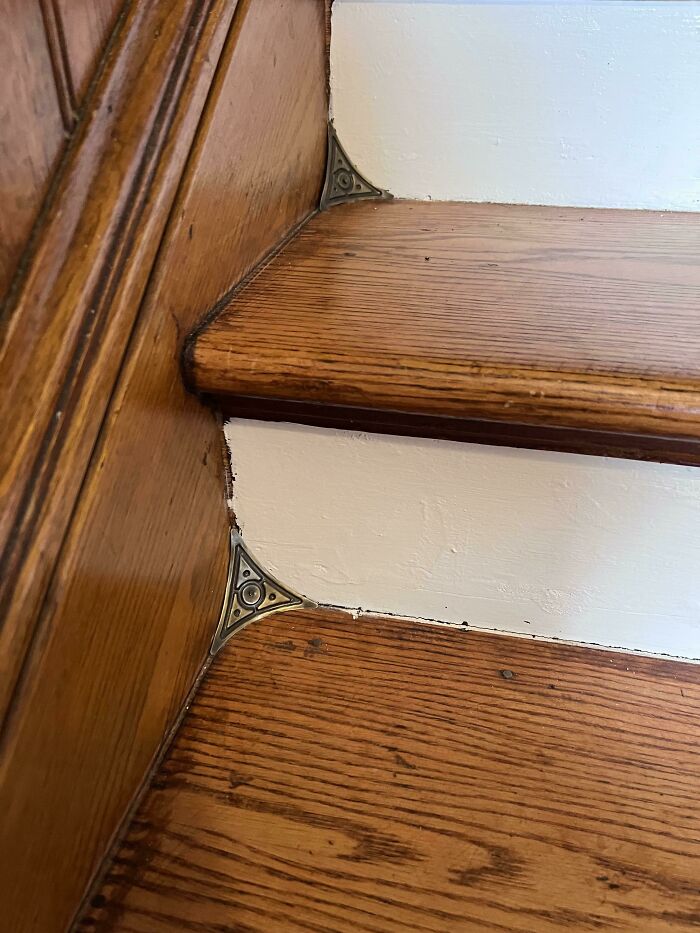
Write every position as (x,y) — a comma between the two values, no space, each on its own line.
(551,319)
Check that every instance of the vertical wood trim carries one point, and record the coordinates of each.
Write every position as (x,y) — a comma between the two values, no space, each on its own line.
(133,597)
(32,134)
(55,39)
(86,26)
(64,341)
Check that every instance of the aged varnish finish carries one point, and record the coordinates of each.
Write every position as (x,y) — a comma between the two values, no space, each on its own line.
(381,775)
(204,148)
(63,341)
(554,319)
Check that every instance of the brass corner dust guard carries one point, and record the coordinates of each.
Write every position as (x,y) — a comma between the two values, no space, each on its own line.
(343,181)
(250,594)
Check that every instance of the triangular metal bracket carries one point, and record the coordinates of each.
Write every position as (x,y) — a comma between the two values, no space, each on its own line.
(250,593)
(343,181)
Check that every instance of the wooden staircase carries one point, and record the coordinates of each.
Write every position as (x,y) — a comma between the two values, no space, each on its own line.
(382,775)
(528,326)
(331,774)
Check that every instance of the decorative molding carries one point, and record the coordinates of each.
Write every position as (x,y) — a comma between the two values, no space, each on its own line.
(250,593)
(344,182)
(79,286)
(63,81)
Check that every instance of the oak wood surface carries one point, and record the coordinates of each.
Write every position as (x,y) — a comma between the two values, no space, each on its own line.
(63,342)
(382,775)
(31,128)
(133,600)
(85,28)
(63,81)
(557,318)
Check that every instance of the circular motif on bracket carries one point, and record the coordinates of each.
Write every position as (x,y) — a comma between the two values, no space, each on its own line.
(251,594)
(344,179)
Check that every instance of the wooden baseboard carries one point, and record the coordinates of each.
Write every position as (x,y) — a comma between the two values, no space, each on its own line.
(121,572)
(66,336)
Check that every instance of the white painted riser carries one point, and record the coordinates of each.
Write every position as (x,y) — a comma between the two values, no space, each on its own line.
(586,549)
(588,104)
(550,103)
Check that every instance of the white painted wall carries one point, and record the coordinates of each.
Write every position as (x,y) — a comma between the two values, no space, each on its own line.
(586,104)
(587,549)
(592,103)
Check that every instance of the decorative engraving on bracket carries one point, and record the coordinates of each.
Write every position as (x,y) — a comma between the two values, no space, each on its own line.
(343,181)
(250,594)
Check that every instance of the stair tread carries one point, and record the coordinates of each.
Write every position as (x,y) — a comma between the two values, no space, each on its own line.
(569,318)
(386,775)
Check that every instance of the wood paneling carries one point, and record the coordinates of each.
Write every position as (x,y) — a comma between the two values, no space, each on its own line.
(382,775)
(31,128)
(85,26)
(49,50)
(133,601)
(64,342)
(557,318)
(60,65)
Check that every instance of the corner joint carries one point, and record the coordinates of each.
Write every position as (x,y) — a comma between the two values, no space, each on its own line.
(344,182)
(250,593)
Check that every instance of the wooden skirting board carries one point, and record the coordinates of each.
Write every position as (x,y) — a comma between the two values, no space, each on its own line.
(66,336)
(203,146)
(382,775)
(547,327)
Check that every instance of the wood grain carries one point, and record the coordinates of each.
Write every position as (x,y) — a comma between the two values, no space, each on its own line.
(558,318)
(60,64)
(85,27)
(31,129)
(383,775)
(63,343)
(133,600)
